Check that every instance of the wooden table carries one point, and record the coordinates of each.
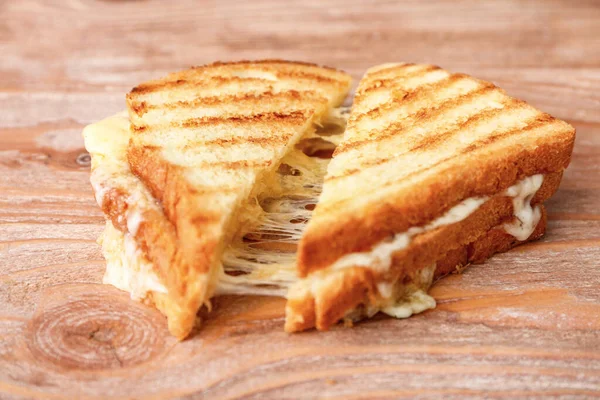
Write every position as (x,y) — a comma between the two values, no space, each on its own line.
(526,323)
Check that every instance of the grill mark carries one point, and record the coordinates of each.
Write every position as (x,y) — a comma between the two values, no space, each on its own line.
(398,93)
(420,92)
(290,118)
(286,71)
(385,83)
(532,123)
(154,86)
(206,190)
(147,147)
(421,115)
(538,121)
(294,74)
(277,117)
(137,128)
(237,140)
(192,80)
(432,141)
(298,74)
(233,165)
(209,164)
(205,219)
(261,140)
(289,95)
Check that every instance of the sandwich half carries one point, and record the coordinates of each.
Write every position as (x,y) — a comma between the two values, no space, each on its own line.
(181,175)
(434,169)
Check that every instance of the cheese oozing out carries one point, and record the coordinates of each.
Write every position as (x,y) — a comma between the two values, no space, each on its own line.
(262,261)
(126,266)
(527,217)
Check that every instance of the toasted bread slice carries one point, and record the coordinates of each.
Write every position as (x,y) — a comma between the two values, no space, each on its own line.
(430,162)
(263,263)
(204,142)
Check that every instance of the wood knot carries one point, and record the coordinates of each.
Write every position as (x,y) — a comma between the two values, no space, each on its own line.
(84,159)
(95,328)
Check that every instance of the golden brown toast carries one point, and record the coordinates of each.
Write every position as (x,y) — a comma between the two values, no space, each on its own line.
(202,142)
(421,146)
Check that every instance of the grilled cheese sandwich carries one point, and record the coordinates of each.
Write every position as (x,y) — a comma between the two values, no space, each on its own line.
(261,267)
(268,210)
(254,265)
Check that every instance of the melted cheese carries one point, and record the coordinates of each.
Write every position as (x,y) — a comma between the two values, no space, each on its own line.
(415,303)
(126,266)
(526,216)
(400,300)
(413,298)
(262,261)
(379,257)
(107,142)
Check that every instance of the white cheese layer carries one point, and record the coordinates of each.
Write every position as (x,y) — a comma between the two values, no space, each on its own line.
(379,257)
(126,266)
(526,216)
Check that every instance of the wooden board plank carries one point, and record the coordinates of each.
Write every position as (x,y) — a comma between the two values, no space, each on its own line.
(526,323)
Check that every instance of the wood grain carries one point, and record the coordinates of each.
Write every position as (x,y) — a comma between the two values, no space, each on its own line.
(524,324)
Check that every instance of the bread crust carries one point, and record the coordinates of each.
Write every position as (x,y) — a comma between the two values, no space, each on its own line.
(347,289)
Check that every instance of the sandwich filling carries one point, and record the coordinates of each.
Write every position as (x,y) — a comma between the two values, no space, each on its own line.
(404,301)
(379,258)
(126,266)
(261,259)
